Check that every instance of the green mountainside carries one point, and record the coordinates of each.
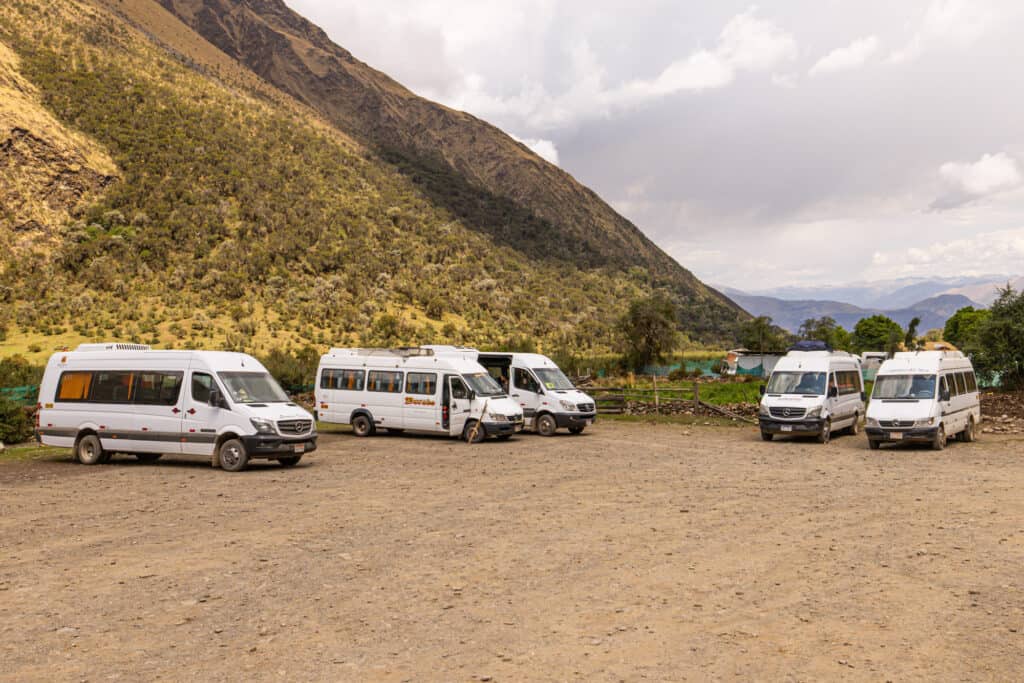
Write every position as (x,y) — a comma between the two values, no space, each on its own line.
(155,189)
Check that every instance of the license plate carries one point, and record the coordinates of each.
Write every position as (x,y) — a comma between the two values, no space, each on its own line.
(787,428)
(896,436)
(298,448)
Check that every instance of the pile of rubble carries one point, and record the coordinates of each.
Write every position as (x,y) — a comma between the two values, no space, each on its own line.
(748,410)
(1002,412)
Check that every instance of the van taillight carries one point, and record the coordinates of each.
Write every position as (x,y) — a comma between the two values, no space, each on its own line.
(39,408)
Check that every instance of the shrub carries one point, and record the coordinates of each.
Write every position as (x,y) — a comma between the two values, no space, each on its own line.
(15,424)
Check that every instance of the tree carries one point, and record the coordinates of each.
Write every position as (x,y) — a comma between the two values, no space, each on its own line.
(910,338)
(826,330)
(760,334)
(962,328)
(648,331)
(1001,341)
(876,333)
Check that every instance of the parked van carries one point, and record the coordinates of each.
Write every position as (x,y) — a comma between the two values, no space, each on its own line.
(924,396)
(103,399)
(548,399)
(413,389)
(813,391)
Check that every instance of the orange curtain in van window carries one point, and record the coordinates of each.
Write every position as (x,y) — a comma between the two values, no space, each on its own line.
(74,386)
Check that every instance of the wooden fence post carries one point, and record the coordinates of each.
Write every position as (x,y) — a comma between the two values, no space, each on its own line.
(657,405)
(696,396)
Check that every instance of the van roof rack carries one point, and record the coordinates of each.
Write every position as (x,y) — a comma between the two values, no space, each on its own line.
(810,345)
(399,351)
(114,346)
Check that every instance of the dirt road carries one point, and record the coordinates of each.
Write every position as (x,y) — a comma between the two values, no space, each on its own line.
(632,552)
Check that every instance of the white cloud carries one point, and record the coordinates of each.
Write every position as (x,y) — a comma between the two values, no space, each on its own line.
(1000,251)
(850,57)
(955,22)
(545,149)
(966,182)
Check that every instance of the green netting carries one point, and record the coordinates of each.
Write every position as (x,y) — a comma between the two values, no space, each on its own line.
(27,394)
(705,367)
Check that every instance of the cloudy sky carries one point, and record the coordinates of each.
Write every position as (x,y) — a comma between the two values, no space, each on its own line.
(792,142)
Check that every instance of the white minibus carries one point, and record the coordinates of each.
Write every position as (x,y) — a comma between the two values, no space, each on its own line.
(103,399)
(413,389)
(548,399)
(812,391)
(924,396)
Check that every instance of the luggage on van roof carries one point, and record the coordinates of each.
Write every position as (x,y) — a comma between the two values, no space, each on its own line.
(810,345)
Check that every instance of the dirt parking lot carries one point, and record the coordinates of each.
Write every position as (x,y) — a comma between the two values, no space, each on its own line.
(632,552)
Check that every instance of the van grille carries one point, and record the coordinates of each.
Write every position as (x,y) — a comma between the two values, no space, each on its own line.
(889,424)
(787,411)
(295,427)
(585,407)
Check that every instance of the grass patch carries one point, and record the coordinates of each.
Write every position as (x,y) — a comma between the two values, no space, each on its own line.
(688,420)
(30,451)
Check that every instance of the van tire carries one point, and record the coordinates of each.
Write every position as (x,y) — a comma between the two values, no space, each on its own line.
(471,435)
(939,442)
(546,425)
(874,445)
(148,457)
(89,450)
(289,460)
(826,431)
(970,433)
(362,425)
(232,456)
(766,436)
(575,430)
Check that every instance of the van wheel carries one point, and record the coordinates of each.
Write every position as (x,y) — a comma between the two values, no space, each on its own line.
(546,425)
(854,429)
(970,431)
(232,456)
(767,436)
(575,430)
(89,450)
(148,457)
(362,426)
(472,434)
(940,439)
(290,460)
(826,432)
(873,445)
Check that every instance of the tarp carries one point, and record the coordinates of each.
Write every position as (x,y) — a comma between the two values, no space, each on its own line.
(705,367)
(27,394)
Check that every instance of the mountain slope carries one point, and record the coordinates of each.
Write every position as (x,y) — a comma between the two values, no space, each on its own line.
(789,315)
(443,148)
(224,212)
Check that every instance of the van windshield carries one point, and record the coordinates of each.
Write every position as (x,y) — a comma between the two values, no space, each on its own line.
(483,384)
(552,378)
(253,387)
(904,387)
(802,383)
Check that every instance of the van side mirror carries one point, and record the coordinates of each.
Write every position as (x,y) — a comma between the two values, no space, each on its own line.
(761,389)
(833,392)
(863,395)
(216,399)
(470,394)
(944,395)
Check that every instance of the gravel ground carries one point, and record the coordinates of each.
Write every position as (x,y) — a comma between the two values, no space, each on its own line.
(632,552)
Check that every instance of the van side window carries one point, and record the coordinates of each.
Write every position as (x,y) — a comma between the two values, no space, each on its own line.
(343,380)
(74,386)
(847,382)
(158,388)
(384,381)
(201,386)
(961,383)
(972,382)
(112,386)
(424,383)
(524,380)
(944,387)
(459,389)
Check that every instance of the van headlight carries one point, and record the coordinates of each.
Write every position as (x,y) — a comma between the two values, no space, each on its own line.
(568,406)
(497,418)
(762,410)
(872,422)
(813,412)
(262,426)
(928,422)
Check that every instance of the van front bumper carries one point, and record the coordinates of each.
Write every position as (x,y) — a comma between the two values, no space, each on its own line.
(271,446)
(575,419)
(502,428)
(790,426)
(924,434)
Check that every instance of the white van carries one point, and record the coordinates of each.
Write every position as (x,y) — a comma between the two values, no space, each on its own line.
(924,396)
(103,399)
(413,389)
(548,399)
(813,391)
